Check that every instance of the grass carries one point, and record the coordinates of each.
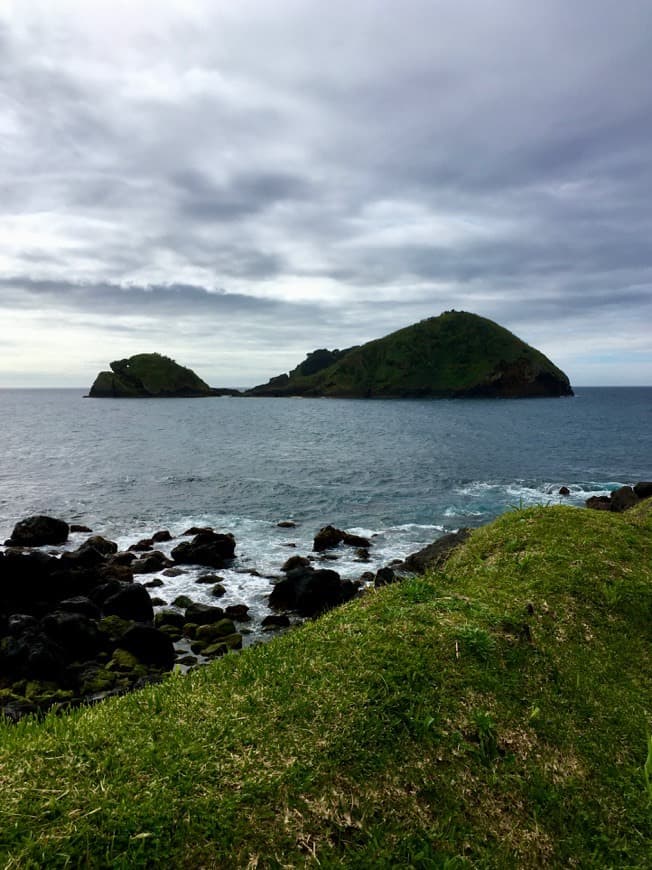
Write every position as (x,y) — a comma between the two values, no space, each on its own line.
(495,715)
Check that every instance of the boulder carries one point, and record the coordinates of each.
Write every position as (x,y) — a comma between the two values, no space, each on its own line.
(130,602)
(310,592)
(26,581)
(76,527)
(622,499)
(564,490)
(151,563)
(643,489)
(239,612)
(162,536)
(286,524)
(80,604)
(356,541)
(207,548)
(434,555)
(385,576)
(149,645)
(102,545)
(203,614)
(599,502)
(75,634)
(276,620)
(327,538)
(295,562)
(36,531)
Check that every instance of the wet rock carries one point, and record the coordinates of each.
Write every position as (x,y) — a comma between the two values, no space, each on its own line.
(102,545)
(114,627)
(434,555)
(276,620)
(218,590)
(169,617)
(599,502)
(309,591)
(162,536)
(643,489)
(223,646)
(156,583)
(39,530)
(131,602)
(203,614)
(151,563)
(208,548)
(77,635)
(182,601)
(149,645)
(142,546)
(362,555)
(173,572)
(564,490)
(366,577)
(196,530)
(356,541)
(622,499)
(327,538)
(286,524)
(76,527)
(239,612)
(212,631)
(82,605)
(385,576)
(123,558)
(209,578)
(295,562)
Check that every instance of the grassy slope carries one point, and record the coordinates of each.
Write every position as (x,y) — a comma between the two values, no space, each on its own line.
(492,716)
(438,356)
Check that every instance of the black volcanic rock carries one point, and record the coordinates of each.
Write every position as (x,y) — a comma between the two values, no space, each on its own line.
(39,530)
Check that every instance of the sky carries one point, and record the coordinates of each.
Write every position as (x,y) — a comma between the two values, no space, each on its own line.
(235,184)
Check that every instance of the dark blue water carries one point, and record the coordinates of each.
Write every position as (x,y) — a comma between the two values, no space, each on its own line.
(404,470)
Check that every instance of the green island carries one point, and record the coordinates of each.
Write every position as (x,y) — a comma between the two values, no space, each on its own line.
(150,375)
(493,714)
(454,355)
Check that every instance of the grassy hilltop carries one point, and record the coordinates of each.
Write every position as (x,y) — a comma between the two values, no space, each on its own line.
(454,355)
(495,715)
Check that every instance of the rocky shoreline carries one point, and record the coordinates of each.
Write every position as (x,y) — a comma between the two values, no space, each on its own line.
(80,625)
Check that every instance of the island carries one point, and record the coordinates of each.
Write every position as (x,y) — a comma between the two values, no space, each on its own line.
(152,375)
(454,355)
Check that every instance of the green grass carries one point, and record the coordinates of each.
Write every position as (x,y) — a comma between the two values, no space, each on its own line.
(495,715)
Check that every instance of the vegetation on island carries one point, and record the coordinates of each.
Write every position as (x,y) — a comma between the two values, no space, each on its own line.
(148,375)
(494,714)
(454,355)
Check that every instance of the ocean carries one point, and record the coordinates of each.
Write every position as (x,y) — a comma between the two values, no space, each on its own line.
(401,472)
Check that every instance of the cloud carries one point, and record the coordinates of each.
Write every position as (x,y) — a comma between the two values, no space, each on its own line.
(312,174)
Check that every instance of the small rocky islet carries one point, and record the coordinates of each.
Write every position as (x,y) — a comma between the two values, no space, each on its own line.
(77,626)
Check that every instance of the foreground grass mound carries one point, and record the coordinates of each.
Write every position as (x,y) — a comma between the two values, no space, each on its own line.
(496,715)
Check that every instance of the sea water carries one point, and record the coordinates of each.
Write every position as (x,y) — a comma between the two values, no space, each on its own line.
(401,472)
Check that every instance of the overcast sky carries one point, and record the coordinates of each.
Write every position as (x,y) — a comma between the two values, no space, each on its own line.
(237,183)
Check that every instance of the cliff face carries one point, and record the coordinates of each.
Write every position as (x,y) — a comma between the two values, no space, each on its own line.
(455,355)
(148,375)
